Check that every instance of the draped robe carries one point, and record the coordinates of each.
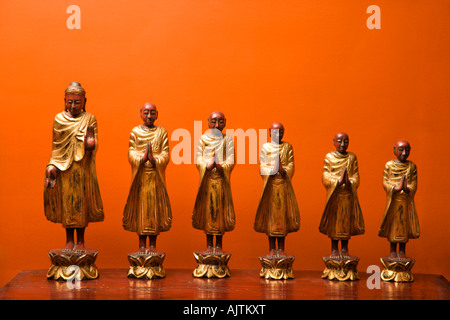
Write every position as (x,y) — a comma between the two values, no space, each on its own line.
(400,222)
(148,210)
(342,216)
(75,200)
(213,209)
(277,213)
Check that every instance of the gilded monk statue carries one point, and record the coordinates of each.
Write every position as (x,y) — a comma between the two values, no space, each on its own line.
(342,217)
(71,193)
(277,213)
(400,222)
(147,211)
(215,159)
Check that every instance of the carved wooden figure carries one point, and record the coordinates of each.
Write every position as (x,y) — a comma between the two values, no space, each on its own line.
(148,211)
(277,213)
(71,193)
(400,222)
(213,209)
(342,217)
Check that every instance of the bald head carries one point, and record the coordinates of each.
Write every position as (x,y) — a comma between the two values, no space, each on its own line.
(276,132)
(341,142)
(148,105)
(216,120)
(149,114)
(401,150)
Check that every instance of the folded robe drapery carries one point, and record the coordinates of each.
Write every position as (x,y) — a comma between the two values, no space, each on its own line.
(213,209)
(342,216)
(400,222)
(75,200)
(277,213)
(148,210)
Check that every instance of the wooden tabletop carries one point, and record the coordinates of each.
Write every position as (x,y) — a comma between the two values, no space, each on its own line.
(179,284)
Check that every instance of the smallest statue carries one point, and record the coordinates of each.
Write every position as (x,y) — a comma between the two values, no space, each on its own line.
(277,213)
(400,222)
(147,211)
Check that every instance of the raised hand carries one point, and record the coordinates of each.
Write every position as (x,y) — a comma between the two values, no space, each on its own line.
(344,177)
(145,156)
(50,177)
(89,139)
(402,185)
(405,185)
(212,164)
(281,170)
(150,156)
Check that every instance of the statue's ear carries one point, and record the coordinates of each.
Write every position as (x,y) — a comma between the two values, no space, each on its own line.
(84,106)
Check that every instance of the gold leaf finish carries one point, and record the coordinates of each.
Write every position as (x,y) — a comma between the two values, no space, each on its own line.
(397,270)
(211,265)
(341,269)
(61,261)
(277,267)
(146,266)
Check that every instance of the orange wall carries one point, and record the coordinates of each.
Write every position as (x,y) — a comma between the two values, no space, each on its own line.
(313,65)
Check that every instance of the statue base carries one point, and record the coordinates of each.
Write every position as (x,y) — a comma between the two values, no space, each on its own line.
(146,265)
(211,264)
(277,267)
(397,269)
(342,268)
(67,264)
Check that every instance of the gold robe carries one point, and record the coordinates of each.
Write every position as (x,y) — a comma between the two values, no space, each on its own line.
(75,200)
(342,217)
(278,212)
(148,211)
(400,221)
(213,210)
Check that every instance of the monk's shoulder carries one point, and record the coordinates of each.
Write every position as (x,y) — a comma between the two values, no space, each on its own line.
(287,145)
(330,156)
(352,156)
(162,131)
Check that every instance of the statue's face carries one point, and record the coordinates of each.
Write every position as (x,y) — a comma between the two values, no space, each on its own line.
(402,150)
(217,121)
(149,114)
(276,132)
(341,142)
(74,104)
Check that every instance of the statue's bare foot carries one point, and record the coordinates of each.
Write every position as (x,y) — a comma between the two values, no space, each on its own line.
(68,247)
(344,254)
(401,254)
(393,255)
(218,249)
(272,252)
(209,249)
(151,250)
(280,252)
(79,248)
(335,254)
